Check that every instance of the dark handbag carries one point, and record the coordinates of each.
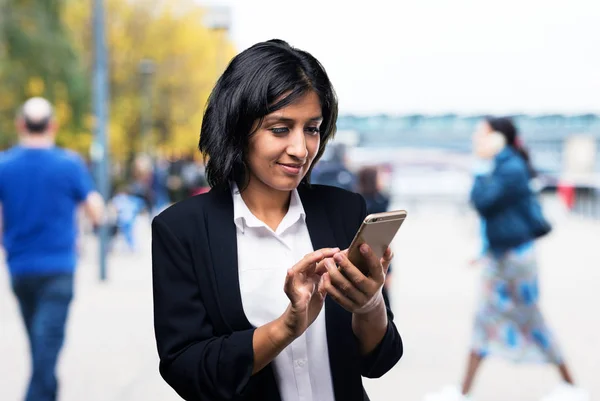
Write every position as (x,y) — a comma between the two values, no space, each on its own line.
(538,223)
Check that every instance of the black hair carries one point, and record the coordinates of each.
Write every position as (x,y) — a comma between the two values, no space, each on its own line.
(260,80)
(506,127)
(367,181)
(37,127)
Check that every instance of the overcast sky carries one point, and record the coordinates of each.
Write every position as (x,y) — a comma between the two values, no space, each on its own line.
(437,56)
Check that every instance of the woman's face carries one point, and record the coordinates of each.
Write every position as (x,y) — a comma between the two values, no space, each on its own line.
(483,128)
(486,142)
(480,135)
(283,148)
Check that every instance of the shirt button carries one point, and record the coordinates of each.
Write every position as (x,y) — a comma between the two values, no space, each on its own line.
(300,363)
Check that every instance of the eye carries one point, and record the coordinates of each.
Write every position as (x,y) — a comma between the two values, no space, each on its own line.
(313,130)
(279,130)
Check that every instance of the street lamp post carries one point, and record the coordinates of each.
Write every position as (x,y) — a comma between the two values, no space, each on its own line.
(218,19)
(146,69)
(99,148)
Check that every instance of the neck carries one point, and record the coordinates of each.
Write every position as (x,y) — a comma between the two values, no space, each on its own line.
(267,204)
(37,141)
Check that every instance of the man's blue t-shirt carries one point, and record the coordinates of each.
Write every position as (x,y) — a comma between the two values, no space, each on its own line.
(40,189)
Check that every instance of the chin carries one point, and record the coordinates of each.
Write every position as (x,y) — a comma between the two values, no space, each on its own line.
(289,186)
(286,183)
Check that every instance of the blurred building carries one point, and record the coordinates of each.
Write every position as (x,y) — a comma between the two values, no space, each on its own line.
(544,135)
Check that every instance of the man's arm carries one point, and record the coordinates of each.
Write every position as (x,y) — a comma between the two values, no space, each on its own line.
(88,198)
(1,227)
(93,205)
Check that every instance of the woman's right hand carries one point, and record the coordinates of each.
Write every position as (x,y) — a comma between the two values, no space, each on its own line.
(305,292)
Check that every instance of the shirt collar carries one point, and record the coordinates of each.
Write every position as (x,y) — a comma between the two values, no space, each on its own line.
(243,217)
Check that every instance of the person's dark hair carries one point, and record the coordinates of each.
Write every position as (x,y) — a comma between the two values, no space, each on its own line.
(507,128)
(260,80)
(367,181)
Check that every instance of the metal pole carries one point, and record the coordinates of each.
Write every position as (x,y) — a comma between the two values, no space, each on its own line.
(146,71)
(100,145)
(218,19)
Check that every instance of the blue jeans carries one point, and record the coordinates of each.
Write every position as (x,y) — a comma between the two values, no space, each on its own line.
(127,230)
(44,302)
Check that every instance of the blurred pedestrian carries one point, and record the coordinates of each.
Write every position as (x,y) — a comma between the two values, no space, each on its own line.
(369,186)
(125,207)
(41,186)
(333,170)
(143,179)
(508,321)
(160,176)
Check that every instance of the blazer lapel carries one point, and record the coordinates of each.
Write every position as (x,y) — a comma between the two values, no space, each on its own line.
(223,248)
(319,228)
(338,321)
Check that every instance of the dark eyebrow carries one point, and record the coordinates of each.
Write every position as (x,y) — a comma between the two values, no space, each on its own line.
(277,119)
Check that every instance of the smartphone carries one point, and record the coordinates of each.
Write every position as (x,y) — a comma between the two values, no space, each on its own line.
(377,230)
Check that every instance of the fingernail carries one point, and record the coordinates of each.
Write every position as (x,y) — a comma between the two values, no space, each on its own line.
(338,257)
(364,248)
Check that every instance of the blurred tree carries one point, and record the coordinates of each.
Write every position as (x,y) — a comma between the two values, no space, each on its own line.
(38,59)
(184,53)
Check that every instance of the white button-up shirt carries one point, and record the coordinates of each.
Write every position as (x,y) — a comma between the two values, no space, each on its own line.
(302,369)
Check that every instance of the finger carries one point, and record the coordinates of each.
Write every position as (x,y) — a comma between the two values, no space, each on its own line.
(337,296)
(352,273)
(373,263)
(343,284)
(321,290)
(321,268)
(388,254)
(318,297)
(309,260)
(386,259)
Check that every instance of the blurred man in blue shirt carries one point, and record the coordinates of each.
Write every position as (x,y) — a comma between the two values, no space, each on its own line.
(41,187)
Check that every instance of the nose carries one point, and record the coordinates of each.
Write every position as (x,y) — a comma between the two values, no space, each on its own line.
(297,144)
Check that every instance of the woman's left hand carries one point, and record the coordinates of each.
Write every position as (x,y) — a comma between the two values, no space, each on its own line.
(349,287)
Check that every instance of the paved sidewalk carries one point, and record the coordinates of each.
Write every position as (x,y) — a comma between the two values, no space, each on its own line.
(110,353)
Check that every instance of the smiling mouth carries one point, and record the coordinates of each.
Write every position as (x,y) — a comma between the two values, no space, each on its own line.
(291,165)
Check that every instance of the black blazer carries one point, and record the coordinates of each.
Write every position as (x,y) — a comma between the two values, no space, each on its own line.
(204,338)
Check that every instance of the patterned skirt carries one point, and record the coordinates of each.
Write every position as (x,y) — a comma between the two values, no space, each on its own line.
(508,322)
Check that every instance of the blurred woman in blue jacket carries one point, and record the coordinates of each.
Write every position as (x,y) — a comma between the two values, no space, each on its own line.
(508,322)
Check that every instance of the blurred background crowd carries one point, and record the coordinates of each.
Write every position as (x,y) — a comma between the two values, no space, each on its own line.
(414,82)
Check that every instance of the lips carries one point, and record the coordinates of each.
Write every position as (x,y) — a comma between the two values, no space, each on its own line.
(291,165)
(291,169)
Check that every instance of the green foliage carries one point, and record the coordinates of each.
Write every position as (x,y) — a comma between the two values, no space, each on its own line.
(38,59)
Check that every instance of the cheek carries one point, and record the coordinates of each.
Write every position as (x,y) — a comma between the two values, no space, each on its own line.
(312,145)
(262,152)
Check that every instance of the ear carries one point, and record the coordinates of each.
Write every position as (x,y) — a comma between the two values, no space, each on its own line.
(52,127)
(20,125)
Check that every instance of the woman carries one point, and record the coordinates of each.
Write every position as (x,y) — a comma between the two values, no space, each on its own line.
(248,301)
(508,322)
